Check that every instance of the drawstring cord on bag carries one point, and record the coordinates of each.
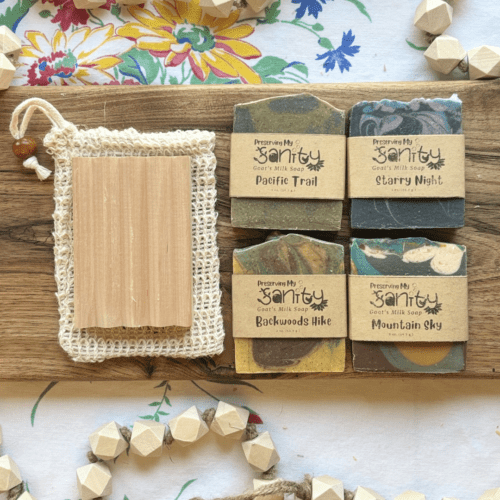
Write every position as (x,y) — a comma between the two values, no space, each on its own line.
(31,105)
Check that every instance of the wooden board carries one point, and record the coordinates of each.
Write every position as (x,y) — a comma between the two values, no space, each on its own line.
(132,241)
(29,317)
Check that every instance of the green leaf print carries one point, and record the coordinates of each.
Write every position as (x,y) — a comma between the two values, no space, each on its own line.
(158,404)
(141,65)
(276,70)
(416,47)
(270,65)
(272,13)
(191,481)
(361,8)
(35,407)
(45,14)
(211,78)
(317,27)
(325,43)
(13,15)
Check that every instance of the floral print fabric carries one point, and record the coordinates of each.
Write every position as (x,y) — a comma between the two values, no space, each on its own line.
(175,42)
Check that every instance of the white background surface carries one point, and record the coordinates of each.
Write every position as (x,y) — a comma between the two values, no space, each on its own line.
(435,436)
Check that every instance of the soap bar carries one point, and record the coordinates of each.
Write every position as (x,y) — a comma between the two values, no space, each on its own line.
(408,257)
(418,117)
(297,114)
(289,254)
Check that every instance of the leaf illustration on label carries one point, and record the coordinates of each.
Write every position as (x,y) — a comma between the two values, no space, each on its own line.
(435,309)
(316,166)
(321,306)
(437,165)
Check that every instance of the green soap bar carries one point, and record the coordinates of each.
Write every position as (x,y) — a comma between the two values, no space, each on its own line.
(290,254)
(297,114)
(372,257)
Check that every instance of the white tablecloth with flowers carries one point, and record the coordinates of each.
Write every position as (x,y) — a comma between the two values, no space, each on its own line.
(436,436)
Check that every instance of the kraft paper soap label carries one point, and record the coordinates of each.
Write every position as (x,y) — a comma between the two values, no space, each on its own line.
(289,306)
(408,308)
(412,166)
(288,166)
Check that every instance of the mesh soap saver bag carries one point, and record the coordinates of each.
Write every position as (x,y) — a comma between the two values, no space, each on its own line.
(66,141)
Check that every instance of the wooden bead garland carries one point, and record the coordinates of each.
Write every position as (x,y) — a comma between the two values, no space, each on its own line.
(445,52)
(94,480)
(148,438)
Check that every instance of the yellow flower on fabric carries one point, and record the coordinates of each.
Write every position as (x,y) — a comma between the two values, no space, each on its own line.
(84,57)
(179,30)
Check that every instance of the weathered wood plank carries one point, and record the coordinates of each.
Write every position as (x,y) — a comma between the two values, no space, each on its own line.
(29,317)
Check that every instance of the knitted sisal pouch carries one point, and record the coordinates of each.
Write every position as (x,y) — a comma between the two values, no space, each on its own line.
(64,142)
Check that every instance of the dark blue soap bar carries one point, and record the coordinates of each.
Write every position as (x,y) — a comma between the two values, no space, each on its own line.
(408,257)
(418,117)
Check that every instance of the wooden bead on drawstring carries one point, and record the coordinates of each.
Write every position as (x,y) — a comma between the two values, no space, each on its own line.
(24,148)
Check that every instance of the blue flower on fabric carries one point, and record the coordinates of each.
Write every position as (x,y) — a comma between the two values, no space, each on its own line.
(313,8)
(338,56)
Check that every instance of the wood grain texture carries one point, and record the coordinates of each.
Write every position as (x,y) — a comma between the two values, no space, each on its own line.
(29,319)
(132,241)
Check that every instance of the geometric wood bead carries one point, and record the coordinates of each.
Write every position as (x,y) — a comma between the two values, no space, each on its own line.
(147,438)
(7,70)
(94,480)
(433,16)
(10,475)
(188,427)
(367,494)
(258,483)
(230,421)
(327,488)
(484,62)
(493,494)
(258,5)
(88,4)
(26,496)
(444,54)
(260,452)
(217,8)
(107,442)
(410,495)
(10,44)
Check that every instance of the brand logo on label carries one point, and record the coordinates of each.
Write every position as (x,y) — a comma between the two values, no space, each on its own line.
(289,153)
(288,293)
(414,301)
(409,153)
